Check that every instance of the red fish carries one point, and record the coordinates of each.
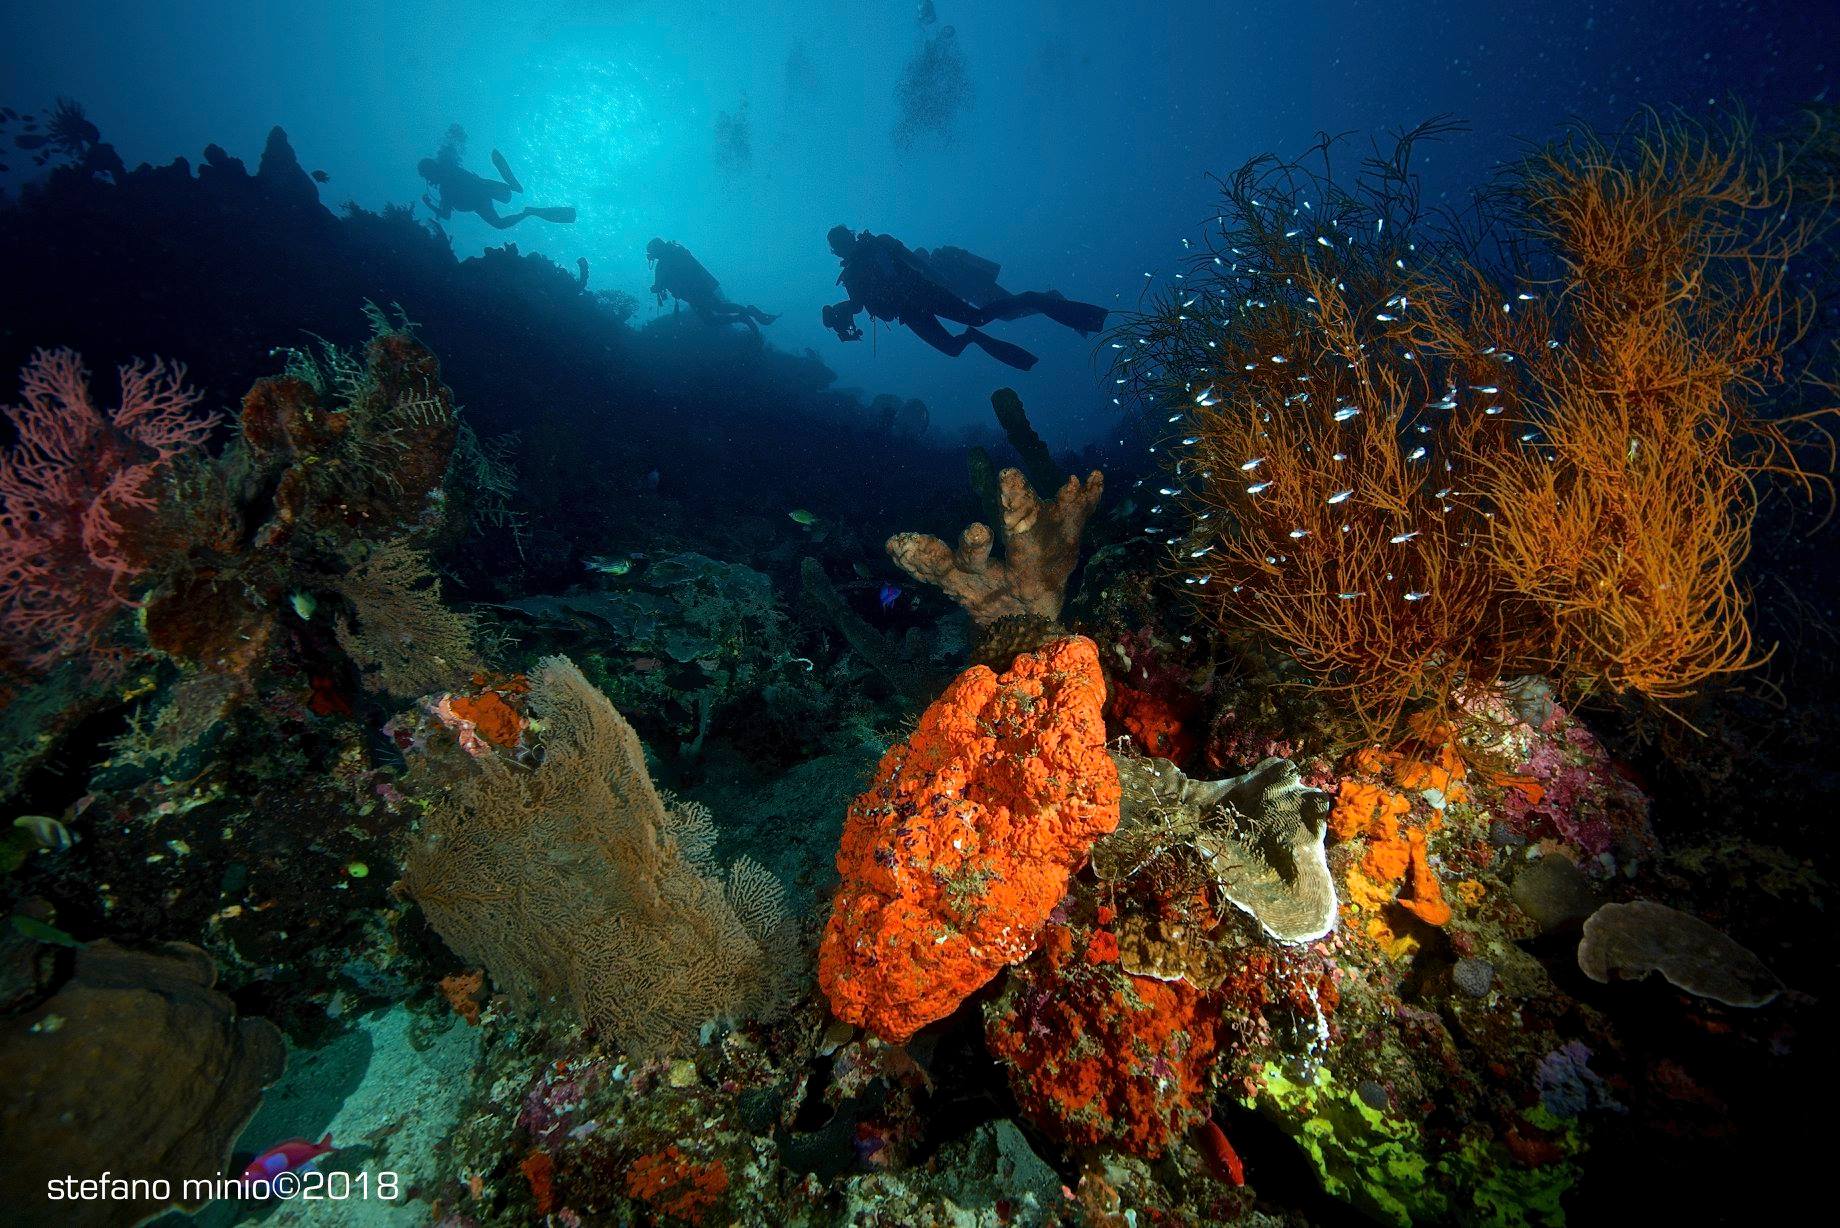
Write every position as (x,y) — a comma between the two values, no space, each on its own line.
(1219,1153)
(285,1157)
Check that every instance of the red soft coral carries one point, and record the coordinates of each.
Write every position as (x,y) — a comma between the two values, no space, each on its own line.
(78,492)
(1101,1058)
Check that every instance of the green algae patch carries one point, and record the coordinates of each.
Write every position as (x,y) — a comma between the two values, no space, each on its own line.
(1380,1164)
(1371,1160)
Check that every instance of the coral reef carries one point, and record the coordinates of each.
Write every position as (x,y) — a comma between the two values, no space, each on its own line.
(1374,960)
(576,879)
(953,859)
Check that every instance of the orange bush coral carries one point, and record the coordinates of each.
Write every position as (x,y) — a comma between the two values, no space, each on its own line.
(953,859)
(540,1170)
(492,716)
(1153,723)
(1411,475)
(463,991)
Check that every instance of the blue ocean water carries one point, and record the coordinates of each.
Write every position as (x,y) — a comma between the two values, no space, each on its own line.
(489,634)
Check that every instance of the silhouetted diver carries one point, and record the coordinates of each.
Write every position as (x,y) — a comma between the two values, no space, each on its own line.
(683,277)
(891,282)
(461,191)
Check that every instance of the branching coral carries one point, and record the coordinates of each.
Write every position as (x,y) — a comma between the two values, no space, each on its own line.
(1413,475)
(954,858)
(79,488)
(1041,546)
(576,879)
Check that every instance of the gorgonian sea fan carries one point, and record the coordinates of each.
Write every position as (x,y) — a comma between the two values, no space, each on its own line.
(78,489)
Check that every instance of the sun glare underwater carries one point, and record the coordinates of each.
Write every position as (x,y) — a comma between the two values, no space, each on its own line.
(918,614)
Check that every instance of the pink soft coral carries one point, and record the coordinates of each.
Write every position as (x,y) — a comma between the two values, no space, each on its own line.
(1583,797)
(78,487)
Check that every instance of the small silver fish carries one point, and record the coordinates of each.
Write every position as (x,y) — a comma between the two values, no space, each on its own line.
(1297,533)
(1399,538)
(1418,453)
(1417,596)
(1347,596)
(1340,496)
(1258,488)
(1252,464)
(1346,412)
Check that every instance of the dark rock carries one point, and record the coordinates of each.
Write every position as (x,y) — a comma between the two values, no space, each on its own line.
(1554,892)
(1473,976)
(136,1066)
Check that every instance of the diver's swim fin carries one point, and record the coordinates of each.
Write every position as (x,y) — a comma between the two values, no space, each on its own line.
(504,172)
(555,213)
(1005,353)
(1082,318)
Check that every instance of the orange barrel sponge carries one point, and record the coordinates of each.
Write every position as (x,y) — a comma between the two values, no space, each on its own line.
(954,858)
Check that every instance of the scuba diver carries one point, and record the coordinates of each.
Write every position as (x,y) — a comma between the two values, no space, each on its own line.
(683,277)
(461,191)
(891,282)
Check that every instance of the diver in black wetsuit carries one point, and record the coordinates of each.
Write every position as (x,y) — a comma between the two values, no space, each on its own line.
(683,277)
(461,191)
(890,282)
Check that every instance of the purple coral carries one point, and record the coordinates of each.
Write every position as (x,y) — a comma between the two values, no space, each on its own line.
(554,1096)
(1582,798)
(1569,1087)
